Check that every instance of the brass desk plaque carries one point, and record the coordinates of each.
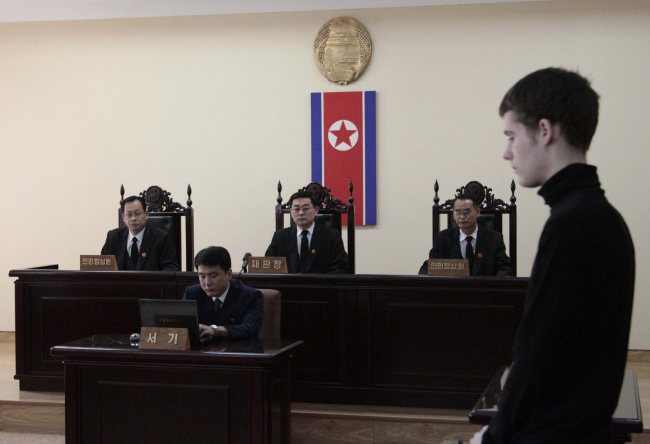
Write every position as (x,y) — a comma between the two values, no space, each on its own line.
(448,267)
(270,264)
(160,338)
(342,50)
(97,262)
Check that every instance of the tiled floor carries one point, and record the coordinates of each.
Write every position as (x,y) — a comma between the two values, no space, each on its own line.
(30,438)
(9,391)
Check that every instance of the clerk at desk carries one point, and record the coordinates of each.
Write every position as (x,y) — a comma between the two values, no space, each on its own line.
(482,247)
(138,247)
(227,308)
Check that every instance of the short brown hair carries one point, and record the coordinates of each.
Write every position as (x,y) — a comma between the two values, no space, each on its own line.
(563,97)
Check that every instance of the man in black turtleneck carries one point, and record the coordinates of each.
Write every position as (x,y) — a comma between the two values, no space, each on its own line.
(570,350)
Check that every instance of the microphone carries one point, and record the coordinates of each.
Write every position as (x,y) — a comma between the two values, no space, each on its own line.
(245,262)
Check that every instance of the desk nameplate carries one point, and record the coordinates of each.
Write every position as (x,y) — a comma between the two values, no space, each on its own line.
(270,264)
(448,267)
(97,262)
(161,338)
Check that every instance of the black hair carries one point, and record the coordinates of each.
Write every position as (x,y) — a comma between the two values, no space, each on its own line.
(213,256)
(466,197)
(133,199)
(302,195)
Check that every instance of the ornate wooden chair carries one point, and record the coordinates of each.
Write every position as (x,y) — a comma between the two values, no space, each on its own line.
(330,212)
(167,215)
(492,213)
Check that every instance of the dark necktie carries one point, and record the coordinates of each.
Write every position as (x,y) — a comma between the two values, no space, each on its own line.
(469,253)
(134,251)
(304,252)
(217,307)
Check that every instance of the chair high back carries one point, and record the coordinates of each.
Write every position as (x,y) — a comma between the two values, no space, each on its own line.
(492,213)
(272,314)
(330,212)
(166,214)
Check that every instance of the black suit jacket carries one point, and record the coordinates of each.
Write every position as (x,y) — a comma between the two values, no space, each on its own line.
(490,258)
(326,251)
(241,314)
(156,252)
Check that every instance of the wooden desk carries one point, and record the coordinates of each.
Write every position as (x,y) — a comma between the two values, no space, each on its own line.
(234,391)
(627,418)
(414,341)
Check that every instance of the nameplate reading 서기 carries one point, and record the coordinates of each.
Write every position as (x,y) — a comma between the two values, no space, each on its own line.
(448,267)
(97,262)
(270,264)
(163,338)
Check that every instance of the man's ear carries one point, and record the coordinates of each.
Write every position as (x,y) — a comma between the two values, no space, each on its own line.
(547,132)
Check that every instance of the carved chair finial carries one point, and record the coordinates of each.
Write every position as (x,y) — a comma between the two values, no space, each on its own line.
(189,195)
(436,199)
(279,198)
(351,198)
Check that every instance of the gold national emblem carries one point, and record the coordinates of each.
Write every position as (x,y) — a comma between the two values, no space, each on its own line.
(342,50)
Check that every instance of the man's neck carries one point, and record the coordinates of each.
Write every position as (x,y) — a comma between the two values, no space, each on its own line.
(135,234)
(561,156)
(225,292)
(469,231)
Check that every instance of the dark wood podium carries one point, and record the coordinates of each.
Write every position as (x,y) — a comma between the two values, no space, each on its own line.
(236,391)
(627,418)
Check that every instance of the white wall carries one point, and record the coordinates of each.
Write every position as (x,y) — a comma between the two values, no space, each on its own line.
(222,102)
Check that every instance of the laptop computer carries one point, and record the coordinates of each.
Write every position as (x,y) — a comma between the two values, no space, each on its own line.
(173,314)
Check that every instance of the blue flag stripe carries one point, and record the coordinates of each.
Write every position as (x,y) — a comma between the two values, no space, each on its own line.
(317,137)
(370,158)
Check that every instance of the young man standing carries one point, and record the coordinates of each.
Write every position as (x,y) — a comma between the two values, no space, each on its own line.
(571,347)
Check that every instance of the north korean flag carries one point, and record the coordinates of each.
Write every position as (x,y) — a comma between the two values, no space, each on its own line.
(343,148)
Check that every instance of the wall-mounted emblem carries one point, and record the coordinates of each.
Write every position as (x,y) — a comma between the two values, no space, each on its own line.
(342,50)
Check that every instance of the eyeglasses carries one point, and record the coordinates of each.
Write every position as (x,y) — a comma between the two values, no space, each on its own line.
(137,215)
(464,212)
(304,208)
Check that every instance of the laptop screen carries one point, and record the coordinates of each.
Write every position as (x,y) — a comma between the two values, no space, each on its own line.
(172,314)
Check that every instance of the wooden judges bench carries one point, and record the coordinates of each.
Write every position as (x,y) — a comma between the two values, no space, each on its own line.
(414,341)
